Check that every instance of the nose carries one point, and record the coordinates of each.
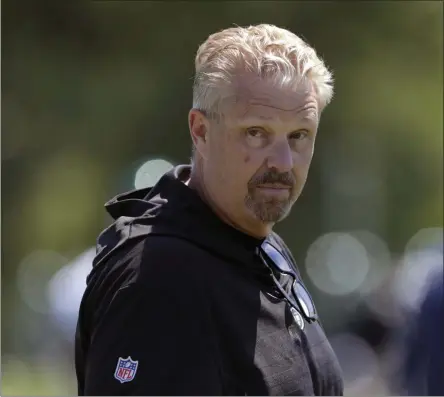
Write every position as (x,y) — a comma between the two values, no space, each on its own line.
(281,157)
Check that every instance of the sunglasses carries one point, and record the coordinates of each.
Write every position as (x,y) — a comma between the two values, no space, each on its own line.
(299,298)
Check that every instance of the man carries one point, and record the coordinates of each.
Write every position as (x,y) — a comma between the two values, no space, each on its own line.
(191,292)
(422,370)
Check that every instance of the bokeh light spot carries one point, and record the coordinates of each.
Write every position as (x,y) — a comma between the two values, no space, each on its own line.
(150,172)
(65,291)
(34,273)
(337,263)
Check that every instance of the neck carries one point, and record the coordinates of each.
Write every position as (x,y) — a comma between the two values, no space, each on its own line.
(257,230)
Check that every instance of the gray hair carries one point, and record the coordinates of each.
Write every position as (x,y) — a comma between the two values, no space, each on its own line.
(266,50)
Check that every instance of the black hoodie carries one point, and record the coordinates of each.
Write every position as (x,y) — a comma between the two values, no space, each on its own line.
(179,303)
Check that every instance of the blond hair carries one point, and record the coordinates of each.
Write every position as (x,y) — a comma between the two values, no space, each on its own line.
(265,50)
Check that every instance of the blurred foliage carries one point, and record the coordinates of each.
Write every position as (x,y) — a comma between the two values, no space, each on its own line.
(90,90)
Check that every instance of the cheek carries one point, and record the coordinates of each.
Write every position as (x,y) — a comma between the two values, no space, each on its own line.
(240,165)
(302,163)
(306,154)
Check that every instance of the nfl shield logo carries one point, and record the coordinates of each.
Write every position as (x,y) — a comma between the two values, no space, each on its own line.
(126,369)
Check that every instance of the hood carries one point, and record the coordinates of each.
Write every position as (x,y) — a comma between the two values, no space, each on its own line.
(172,208)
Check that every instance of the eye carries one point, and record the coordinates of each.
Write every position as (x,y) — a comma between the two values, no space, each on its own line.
(299,135)
(256,137)
(255,132)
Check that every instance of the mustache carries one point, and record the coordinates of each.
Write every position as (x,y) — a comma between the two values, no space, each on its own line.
(271,176)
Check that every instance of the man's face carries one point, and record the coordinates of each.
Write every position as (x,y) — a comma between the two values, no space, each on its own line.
(258,155)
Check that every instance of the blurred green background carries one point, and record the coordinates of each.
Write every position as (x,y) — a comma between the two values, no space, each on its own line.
(93,91)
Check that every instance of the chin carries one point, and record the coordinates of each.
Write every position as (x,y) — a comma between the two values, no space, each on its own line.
(271,215)
(268,211)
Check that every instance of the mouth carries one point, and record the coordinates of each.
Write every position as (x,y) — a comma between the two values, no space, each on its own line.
(273,186)
(278,191)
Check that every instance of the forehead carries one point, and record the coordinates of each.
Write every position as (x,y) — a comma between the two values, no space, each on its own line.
(264,101)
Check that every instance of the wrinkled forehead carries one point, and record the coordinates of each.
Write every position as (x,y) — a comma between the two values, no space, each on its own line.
(255,98)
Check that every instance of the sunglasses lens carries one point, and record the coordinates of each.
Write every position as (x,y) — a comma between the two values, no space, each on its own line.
(279,261)
(301,298)
(304,300)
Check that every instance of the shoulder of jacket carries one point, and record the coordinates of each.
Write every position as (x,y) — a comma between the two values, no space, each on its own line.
(171,247)
(170,256)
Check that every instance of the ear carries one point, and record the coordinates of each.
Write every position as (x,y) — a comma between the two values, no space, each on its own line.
(199,127)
